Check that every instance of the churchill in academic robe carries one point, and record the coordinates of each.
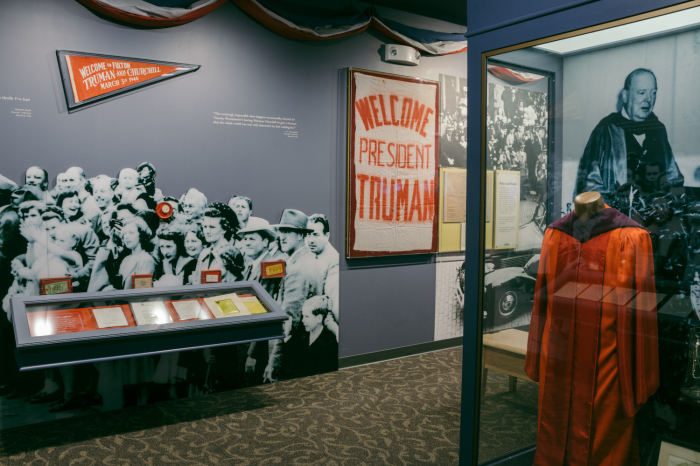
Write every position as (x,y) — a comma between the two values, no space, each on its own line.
(613,153)
(592,344)
(625,142)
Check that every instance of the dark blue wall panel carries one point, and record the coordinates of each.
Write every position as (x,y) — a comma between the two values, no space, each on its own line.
(484,15)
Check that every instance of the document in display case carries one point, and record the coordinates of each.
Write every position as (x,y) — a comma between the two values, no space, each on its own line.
(188,309)
(151,313)
(226,305)
(57,330)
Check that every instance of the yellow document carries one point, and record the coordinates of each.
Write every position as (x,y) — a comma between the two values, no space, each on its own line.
(226,305)
(254,306)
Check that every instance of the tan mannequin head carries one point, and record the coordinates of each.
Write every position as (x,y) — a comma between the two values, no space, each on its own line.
(588,204)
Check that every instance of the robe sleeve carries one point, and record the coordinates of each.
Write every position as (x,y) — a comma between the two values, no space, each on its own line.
(637,333)
(673,173)
(539,312)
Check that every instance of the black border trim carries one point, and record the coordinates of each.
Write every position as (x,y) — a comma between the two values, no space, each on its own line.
(401,352)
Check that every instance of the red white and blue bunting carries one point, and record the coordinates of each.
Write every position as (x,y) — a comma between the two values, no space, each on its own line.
(154,13)
(285,19)
(512,76)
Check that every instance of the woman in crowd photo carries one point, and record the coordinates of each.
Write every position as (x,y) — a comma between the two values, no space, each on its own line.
(69,202)
(87,241)
(138,239)
(176,265)
(173,269)
(220,226)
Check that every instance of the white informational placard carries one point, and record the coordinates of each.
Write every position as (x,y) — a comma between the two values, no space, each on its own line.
(489,196)
(455,196)
(151,313)
(507,209)
(463,239)
(109,317)
(187,310)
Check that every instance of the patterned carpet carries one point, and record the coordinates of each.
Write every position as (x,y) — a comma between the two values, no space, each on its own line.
(508,420)
(400,412)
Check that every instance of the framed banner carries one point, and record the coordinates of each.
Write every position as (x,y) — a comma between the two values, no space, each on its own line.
(393,176)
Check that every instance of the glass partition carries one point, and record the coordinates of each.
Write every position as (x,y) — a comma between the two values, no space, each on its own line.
(591,335)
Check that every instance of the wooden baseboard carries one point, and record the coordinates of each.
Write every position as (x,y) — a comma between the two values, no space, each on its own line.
(378,356)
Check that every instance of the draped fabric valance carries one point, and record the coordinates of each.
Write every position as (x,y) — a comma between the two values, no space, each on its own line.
(512,76)
(288,20)
(154,13)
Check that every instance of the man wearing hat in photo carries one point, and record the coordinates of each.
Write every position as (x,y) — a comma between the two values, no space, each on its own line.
(299,283)
(257,238)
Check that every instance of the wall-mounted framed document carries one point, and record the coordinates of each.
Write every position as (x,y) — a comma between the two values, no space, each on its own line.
(211,276)
(144,280)
(452,208)
(273,269)
(506,215)
(488,214)
(60,285)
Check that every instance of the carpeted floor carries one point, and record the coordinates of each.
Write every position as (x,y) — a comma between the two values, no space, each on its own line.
(400,412)
(508,419)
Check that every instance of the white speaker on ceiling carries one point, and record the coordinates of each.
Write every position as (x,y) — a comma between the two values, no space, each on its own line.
(401,54)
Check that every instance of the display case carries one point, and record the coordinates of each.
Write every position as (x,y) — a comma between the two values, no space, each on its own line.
(590,243)
(58,330)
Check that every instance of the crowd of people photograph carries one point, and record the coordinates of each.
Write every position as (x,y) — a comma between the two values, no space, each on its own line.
(516,135)
(100,231)
(453,122)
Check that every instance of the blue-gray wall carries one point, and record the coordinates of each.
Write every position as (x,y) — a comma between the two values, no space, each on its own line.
(246,69)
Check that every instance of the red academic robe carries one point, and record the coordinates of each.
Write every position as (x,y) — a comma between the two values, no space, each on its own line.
(593,343)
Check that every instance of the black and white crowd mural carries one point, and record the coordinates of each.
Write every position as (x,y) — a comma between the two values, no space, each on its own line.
(101,230)
(517,120)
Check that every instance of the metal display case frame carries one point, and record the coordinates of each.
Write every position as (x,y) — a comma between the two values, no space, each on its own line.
(41,352)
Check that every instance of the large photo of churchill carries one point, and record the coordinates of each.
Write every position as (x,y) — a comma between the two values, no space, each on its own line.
(631,133)
(99,230)
(628,155)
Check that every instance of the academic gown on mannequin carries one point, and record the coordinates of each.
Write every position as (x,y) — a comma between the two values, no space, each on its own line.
(592,344)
